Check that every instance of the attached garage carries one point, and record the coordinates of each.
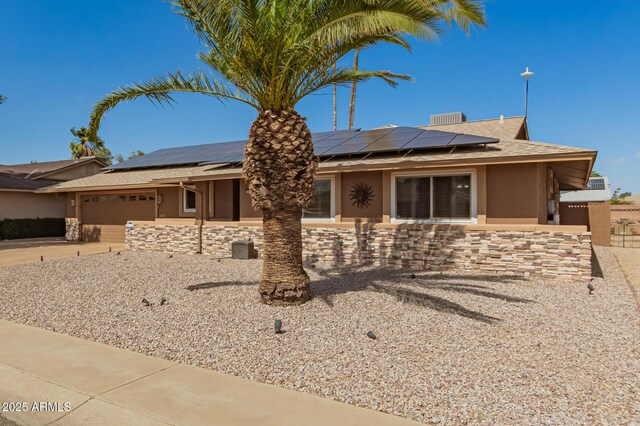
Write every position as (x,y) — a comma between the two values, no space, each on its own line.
(104,216)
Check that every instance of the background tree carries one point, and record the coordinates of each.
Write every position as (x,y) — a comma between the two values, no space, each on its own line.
(595,174)
(618,198)
(85,146)
(271,54)
(120,158)
(464,13)
(3,99)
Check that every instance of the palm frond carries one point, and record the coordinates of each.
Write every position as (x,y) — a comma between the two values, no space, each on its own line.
(159,90)
(271,53)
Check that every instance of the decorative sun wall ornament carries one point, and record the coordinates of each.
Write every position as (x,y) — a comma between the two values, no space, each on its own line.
(361,195)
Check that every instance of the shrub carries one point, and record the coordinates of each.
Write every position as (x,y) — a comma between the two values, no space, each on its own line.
(11,229)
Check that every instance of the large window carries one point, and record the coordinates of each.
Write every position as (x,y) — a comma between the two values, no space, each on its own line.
(321,207)
(188,201)
(433,198)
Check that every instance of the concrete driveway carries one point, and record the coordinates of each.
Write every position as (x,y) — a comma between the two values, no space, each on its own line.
(17,252)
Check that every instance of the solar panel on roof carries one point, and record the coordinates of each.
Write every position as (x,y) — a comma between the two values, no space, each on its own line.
(392,142)
(597,184)
(343,142)
(346,148)
(429,142)
(470,139)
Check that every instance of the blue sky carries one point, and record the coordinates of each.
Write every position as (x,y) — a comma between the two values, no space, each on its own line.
(57,58)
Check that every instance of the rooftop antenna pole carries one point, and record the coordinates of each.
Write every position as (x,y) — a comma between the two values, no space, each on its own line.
(526,76)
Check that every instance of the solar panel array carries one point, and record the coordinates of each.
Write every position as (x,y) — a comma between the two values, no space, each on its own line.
(596,184)
(326,144)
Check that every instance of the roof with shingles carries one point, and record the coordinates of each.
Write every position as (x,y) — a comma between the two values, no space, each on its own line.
(18,182)
(35,169)
(506,129)
(505,149)
(131,177)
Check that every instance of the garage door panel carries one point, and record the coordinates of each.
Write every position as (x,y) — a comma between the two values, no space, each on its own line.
(104,215)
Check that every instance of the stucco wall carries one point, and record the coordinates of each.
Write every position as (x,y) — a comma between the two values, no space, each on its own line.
(223,199)
(513,193)
(169,207)
(247,212)
(350,210)
(26,205)
(562,255)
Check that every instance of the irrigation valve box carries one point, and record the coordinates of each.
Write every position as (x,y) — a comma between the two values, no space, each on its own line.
(242,249)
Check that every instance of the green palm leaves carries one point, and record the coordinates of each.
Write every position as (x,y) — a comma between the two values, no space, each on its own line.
(270,54)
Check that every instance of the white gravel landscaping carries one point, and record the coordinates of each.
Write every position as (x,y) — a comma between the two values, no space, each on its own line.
(450,349)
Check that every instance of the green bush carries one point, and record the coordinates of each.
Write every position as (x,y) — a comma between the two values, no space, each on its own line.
(11,229)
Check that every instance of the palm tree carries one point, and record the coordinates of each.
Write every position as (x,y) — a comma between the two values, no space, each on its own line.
(270,54)
(3,99)
(85,146)
(464,13)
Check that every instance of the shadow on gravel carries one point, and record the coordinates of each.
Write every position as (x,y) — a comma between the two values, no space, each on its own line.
(205,286)
(410,288)
(406,287)
(596,269)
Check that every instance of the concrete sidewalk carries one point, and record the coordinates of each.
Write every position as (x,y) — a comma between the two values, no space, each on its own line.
(17,252)
(106,385)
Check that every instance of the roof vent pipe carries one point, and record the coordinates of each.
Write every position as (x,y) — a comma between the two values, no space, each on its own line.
(448,118)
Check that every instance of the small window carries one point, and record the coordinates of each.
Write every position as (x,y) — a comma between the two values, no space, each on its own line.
(188,201)
(113,198)
(142,197)
(132,198)
(321,204)
(103,199)
(122,197)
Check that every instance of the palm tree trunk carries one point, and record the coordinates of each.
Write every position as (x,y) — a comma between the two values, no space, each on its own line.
(335,101)
(279,169)
(352,102)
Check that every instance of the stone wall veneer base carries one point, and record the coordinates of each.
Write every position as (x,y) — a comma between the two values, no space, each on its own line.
(73,229)
(561,255)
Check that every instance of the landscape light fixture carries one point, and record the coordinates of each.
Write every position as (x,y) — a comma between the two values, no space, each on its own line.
(278,326)
(370,335)
(591,288)
(526,74)
(146,302)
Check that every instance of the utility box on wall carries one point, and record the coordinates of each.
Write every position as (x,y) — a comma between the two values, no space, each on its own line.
(242,249)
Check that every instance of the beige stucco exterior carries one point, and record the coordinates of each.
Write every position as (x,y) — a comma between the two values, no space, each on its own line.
(502,194)
(27,205)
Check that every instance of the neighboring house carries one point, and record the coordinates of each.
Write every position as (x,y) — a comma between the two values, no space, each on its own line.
(18,183)
(591,207)
(472,195)
(598,190)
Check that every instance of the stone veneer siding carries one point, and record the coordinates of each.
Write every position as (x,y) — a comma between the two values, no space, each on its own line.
(562,255)
(73,229)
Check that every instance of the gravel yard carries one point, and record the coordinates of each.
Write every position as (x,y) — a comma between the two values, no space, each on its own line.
(629,260)
(450,348)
